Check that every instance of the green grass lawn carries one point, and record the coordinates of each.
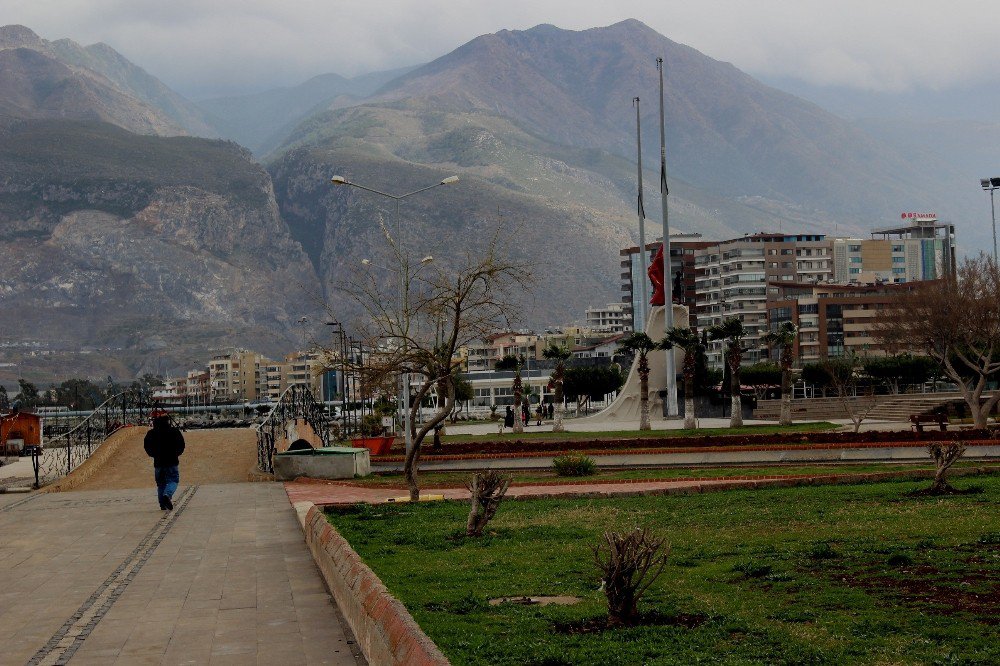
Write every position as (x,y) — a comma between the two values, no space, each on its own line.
(529,434)
(831,574)
(439,479)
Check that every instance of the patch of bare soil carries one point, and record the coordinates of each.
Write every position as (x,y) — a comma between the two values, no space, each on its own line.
(974,592)
(561,600)
(944,492)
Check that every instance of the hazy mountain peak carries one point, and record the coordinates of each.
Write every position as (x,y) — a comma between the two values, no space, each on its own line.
(18,36)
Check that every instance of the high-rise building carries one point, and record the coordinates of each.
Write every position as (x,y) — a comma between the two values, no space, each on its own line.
(682,260)
(920,248)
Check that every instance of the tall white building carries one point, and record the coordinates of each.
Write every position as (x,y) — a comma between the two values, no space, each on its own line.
(610,318)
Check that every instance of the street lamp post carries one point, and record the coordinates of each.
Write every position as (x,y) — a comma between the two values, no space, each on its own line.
(404,275)
(991,185)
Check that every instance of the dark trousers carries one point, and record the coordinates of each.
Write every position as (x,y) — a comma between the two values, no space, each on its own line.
(166,482)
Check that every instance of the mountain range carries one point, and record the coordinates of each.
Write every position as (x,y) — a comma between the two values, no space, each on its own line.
(137,234)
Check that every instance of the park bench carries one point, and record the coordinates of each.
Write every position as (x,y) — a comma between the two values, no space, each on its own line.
(917,421)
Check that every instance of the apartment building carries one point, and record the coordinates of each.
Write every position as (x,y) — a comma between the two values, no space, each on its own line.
(833,320)
(610,318)
(302,368)
(732,277)
(237,376)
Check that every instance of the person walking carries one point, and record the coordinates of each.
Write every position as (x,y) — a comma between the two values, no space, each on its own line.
(164,444)
(508,418)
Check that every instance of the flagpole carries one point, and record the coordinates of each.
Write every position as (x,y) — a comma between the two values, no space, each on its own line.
(640,317)
(668,278)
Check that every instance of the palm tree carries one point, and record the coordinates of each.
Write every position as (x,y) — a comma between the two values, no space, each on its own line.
(733,331)
(639,345)
(783,339)
(518,391)
(686,339)
(560,355)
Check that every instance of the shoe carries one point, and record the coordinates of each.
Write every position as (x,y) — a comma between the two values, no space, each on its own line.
(167,504)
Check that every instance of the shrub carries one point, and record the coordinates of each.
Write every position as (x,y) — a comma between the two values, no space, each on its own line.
(629,563)
(371,426)
(573,464)
(487,489)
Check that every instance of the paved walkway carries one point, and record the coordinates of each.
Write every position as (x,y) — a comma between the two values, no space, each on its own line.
(105,577)
(596,424)
(333,494)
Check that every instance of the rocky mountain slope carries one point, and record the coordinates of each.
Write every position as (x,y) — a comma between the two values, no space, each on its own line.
(62,79)
(728,135)
(148,250)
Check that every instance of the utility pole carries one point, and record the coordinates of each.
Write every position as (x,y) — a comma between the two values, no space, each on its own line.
(668,282)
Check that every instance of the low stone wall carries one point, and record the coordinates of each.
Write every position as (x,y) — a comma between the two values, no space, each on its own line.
(385,630)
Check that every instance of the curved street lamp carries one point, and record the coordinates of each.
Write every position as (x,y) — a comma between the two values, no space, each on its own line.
(990,185)
(341,180)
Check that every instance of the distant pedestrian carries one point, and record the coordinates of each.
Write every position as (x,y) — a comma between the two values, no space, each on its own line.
(538,413)
(525,414)
(552,410)
(164,444)
(508,418)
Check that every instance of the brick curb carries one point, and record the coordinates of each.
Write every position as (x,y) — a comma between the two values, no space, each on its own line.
(686,449)
(385,630)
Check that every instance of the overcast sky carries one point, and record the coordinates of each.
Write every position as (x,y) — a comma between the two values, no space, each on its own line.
(209,47)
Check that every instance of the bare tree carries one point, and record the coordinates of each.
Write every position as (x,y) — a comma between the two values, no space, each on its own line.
(733,332)
(957,323)
(487,488)
(945,454)
(783,339)
(629,564)
(856,398)
(441,308)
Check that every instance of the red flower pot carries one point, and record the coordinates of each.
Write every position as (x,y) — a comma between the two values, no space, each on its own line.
(378,446)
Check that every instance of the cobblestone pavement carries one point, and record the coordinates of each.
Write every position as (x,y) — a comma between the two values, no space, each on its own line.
(105,577)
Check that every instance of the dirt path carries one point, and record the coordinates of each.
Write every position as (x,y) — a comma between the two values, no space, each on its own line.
(211,456)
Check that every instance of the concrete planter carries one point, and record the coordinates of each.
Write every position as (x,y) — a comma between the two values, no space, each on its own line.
(324,463)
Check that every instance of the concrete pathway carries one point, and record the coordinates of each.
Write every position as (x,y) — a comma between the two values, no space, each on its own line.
(594,424)
(328,494)
(105,577)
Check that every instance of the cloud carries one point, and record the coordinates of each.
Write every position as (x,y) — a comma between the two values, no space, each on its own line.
(208,47)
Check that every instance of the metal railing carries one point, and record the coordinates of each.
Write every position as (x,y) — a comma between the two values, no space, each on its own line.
(296,402)
(66,451)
